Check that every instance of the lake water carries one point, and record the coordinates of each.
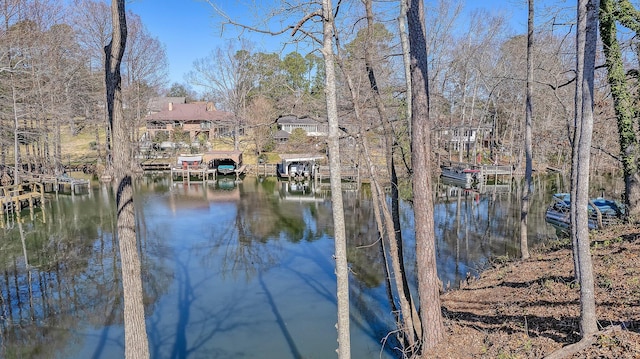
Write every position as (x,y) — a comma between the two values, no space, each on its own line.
(230,270)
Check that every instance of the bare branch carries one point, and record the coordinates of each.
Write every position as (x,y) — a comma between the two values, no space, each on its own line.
(294,28)
(603,150)
(317,13)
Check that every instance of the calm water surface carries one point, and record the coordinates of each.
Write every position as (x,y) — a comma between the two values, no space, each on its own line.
(230,270)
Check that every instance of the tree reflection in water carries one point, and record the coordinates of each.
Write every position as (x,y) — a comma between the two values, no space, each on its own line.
(229,271)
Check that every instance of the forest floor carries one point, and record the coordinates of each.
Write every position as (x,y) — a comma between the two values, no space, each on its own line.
(530,309)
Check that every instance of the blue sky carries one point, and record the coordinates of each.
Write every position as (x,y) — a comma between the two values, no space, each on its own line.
(190,30)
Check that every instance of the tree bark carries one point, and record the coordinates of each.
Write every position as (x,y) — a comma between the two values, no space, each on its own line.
(393,217)
(428,289)
(404,42)
(340,238)
(136,342)
(586,40)
(528,146)
(407,319)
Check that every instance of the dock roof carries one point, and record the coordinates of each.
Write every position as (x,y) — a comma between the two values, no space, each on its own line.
(222,155)
(295,157)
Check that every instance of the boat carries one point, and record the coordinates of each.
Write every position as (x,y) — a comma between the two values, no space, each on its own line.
(225,167)
(611,212)
(298,166)
(294,170)
(225,162)
(467,177)
(186,160)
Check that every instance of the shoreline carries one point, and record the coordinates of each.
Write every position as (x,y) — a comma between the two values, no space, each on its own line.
(530,309)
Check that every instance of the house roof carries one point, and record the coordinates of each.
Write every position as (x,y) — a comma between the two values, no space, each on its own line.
(156,104)
(199,111)
(295,120)
(281,134)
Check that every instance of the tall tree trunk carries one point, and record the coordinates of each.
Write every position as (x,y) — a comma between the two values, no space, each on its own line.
(528,147)
(407,318)
(340,237)
(404,41)
(389,140)
(430,312)
(136,342)
(586,40)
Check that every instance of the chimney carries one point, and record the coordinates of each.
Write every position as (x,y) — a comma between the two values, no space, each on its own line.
(170,106)
(210,107)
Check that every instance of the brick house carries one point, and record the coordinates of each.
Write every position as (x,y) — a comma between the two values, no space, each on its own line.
(198,119)
(156,104)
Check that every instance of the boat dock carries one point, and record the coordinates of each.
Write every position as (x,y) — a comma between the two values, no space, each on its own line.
(484,172)
(55,184)
(59,184)
(206,167)
(298,166)
(14,198)
(200,173)
(192,173)
(30,193)
(266,169)
(347,173)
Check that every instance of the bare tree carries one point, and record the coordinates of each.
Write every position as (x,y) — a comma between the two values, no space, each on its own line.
(333,144)
(428,289)
(528,146)
(387,219)
(404,43)
(586,41)
(310,14)
(410,317)
(136,342)
(26,70)
(226,76)
(260,119)
(145,64)
(92,23)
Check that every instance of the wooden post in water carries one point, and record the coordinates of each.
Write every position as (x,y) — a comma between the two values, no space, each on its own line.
(2,206)
(31,203)
(31,200)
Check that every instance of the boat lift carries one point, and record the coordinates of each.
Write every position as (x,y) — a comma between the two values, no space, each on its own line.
(297,166)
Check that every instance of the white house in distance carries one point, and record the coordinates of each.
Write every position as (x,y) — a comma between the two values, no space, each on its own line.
(287,123)
(462,137)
